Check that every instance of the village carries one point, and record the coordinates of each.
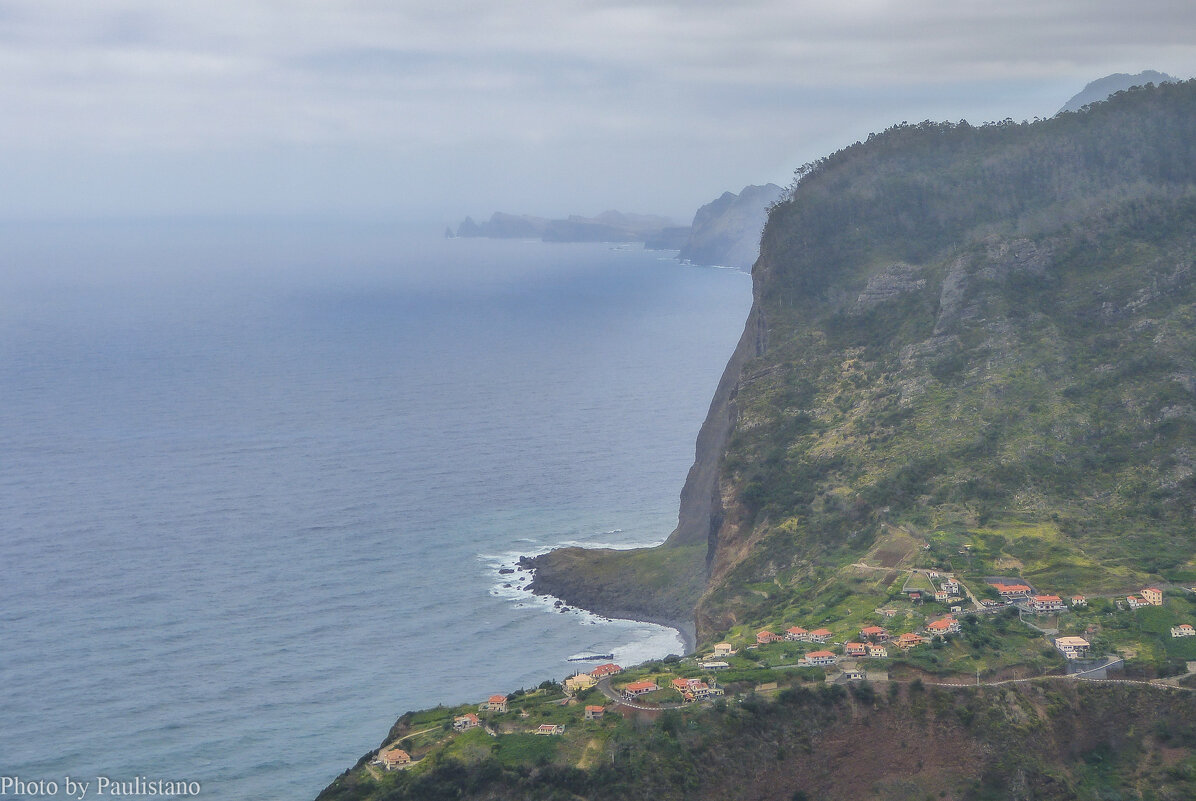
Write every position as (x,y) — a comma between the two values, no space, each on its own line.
(832,652)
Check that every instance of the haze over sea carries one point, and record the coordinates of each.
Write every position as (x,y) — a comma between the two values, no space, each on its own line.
(257,480)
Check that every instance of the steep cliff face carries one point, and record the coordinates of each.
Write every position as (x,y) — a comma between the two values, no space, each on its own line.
(972,327)
(726,231)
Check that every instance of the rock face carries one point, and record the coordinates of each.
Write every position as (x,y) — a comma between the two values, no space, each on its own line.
(726,232)
(1101,88)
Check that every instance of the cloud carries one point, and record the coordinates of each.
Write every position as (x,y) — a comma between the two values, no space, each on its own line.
(484,84)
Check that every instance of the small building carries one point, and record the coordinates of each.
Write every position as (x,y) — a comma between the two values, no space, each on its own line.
(941,596)
(394,758)
(1183,630)
(580,682)
(680,685)
(550,729)
(469,721)
(1079,600)
(876,651)
(714,665)
(1072,647)
(1011,591)
(874,633)
(1134,602)
(765,637)
(820,635)
(851,674)
(639,688)
(1045,604)
(818,658)
(602,671)
(796,634)
(854,649)
(888,614)
(595,712)
(943,626)
(497,703)
(907,641)
(723,649)
(1153,596)
(952,587)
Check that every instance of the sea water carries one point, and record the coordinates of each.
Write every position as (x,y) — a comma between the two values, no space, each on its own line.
(258,480)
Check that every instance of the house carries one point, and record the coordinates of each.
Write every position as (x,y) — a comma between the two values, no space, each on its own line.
(940,596)
(1043,604)
(595,712)
(1072,647)
(723,649)
(887,613)
(1135,602)
(952,587)
(855,649)
(765,637)
(464,722)
(1183,630)
(639,688)
(1153,596)
(877,651)
(874,633)
(550,729)
(680,685)
(851,674)
(1079,600)
(497,703)
(395,757)
(602,671)
(701,691)
(582,681)
(943,626)
(818,658)
(820,635)
(714,665)
(915,596)
(907,641)
(1010,591)
(796,634)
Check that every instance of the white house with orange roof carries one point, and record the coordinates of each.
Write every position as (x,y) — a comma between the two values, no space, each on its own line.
(1011,591)
(550,729)
(765,636)
(1152,596)
(874,633)
(1134,602)
(595,712)
(1079,600)
(1045,604)
(818,658)
(907,641)
(496,703)
(609,669)
(639,688)
(395,758)
(820,635)
(854,649)
(943,626)
(723,649)
(877,651)
(1183,630)
(469,721)
(796,634)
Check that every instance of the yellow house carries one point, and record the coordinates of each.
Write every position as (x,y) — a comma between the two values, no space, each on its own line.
(1153,596)
(723,649)
(582,681)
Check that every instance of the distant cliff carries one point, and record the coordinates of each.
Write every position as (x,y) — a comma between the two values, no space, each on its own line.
(656,232)
(726,231)
(1099,90)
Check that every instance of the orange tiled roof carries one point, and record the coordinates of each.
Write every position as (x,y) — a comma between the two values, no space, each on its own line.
(498,699)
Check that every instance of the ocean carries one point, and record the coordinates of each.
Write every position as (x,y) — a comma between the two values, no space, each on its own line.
(258,480)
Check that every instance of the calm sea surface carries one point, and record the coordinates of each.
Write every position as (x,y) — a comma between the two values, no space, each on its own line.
(257,481)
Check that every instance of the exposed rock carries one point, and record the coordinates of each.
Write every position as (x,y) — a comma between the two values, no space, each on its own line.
(726,231)
(897,280)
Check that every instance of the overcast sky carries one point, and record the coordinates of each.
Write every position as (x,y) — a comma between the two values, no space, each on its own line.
(434,110)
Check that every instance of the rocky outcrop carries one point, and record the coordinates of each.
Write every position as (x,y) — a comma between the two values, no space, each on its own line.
(726,231)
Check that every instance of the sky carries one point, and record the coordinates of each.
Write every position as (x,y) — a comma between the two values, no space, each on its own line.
(422,111)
